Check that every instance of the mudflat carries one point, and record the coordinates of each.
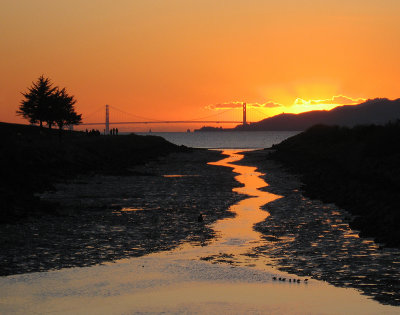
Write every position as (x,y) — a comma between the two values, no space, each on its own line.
(104,218)
(32,159)
(155,207)
(307,237)
(233,279)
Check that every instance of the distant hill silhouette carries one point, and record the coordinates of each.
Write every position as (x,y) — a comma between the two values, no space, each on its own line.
(376,111)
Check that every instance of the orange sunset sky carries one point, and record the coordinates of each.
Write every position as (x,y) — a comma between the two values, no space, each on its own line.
(178,60)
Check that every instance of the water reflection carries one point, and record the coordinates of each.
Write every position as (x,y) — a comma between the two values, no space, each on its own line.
(177,282)
(237,235)
(101,218)
(309,238)
(296,235)
(302,237)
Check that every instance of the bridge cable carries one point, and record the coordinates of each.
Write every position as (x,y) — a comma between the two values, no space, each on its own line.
(92,113)
(158,120)
(136,116)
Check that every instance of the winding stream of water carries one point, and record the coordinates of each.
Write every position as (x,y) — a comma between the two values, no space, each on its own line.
(236,236)
(189,279)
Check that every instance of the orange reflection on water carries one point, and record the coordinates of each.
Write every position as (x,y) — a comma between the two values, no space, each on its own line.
(177,282)
(239,231)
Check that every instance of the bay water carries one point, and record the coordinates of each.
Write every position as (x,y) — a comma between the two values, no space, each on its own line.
(225,139)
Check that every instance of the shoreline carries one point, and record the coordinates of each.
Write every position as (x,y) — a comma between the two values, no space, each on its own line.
(307,237)
(179,281)
(103,218)
(33,159)
(356,168)
(108,217)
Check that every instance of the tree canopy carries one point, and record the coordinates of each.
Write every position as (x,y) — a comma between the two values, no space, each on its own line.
(52,105)
(63,109)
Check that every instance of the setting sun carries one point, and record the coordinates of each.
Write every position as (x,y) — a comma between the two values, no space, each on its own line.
(174,60)
(200,157)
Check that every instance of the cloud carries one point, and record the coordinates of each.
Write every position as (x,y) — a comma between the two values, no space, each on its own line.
(269,104)
(335,100)
(230,105)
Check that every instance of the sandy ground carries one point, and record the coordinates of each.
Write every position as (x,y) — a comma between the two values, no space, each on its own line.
(309,238)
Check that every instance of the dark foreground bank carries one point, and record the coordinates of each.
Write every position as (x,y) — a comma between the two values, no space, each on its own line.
(32,159)
(104,218)
(307,237)
(85,200)
(357,168)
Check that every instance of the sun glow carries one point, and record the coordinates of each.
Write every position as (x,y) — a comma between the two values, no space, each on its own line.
(300,105)
(261,110)
(168,60)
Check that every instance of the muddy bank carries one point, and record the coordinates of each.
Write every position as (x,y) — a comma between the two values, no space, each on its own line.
(105,218)
(310,238)
(33,159)
(356,168)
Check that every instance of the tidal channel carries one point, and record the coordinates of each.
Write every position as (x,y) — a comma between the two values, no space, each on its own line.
(222,277)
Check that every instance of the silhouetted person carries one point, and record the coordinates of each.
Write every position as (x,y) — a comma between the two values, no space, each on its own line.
(116,131)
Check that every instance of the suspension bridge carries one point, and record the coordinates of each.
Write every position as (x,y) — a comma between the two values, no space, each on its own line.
(211,119)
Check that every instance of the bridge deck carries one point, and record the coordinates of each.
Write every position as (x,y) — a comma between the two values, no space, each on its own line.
(167,122)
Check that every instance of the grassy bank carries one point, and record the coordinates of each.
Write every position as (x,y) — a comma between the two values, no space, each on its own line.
(32,159)
(356,168)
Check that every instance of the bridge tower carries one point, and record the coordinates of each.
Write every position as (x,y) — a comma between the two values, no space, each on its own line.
(244,114)
(107,120)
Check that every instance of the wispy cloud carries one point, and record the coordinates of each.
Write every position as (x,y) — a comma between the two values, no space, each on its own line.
(332,102)
(236,104)
(335,100)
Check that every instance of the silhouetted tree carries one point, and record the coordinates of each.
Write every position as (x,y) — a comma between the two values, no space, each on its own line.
(45,103)
(37,103)
(63,112)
